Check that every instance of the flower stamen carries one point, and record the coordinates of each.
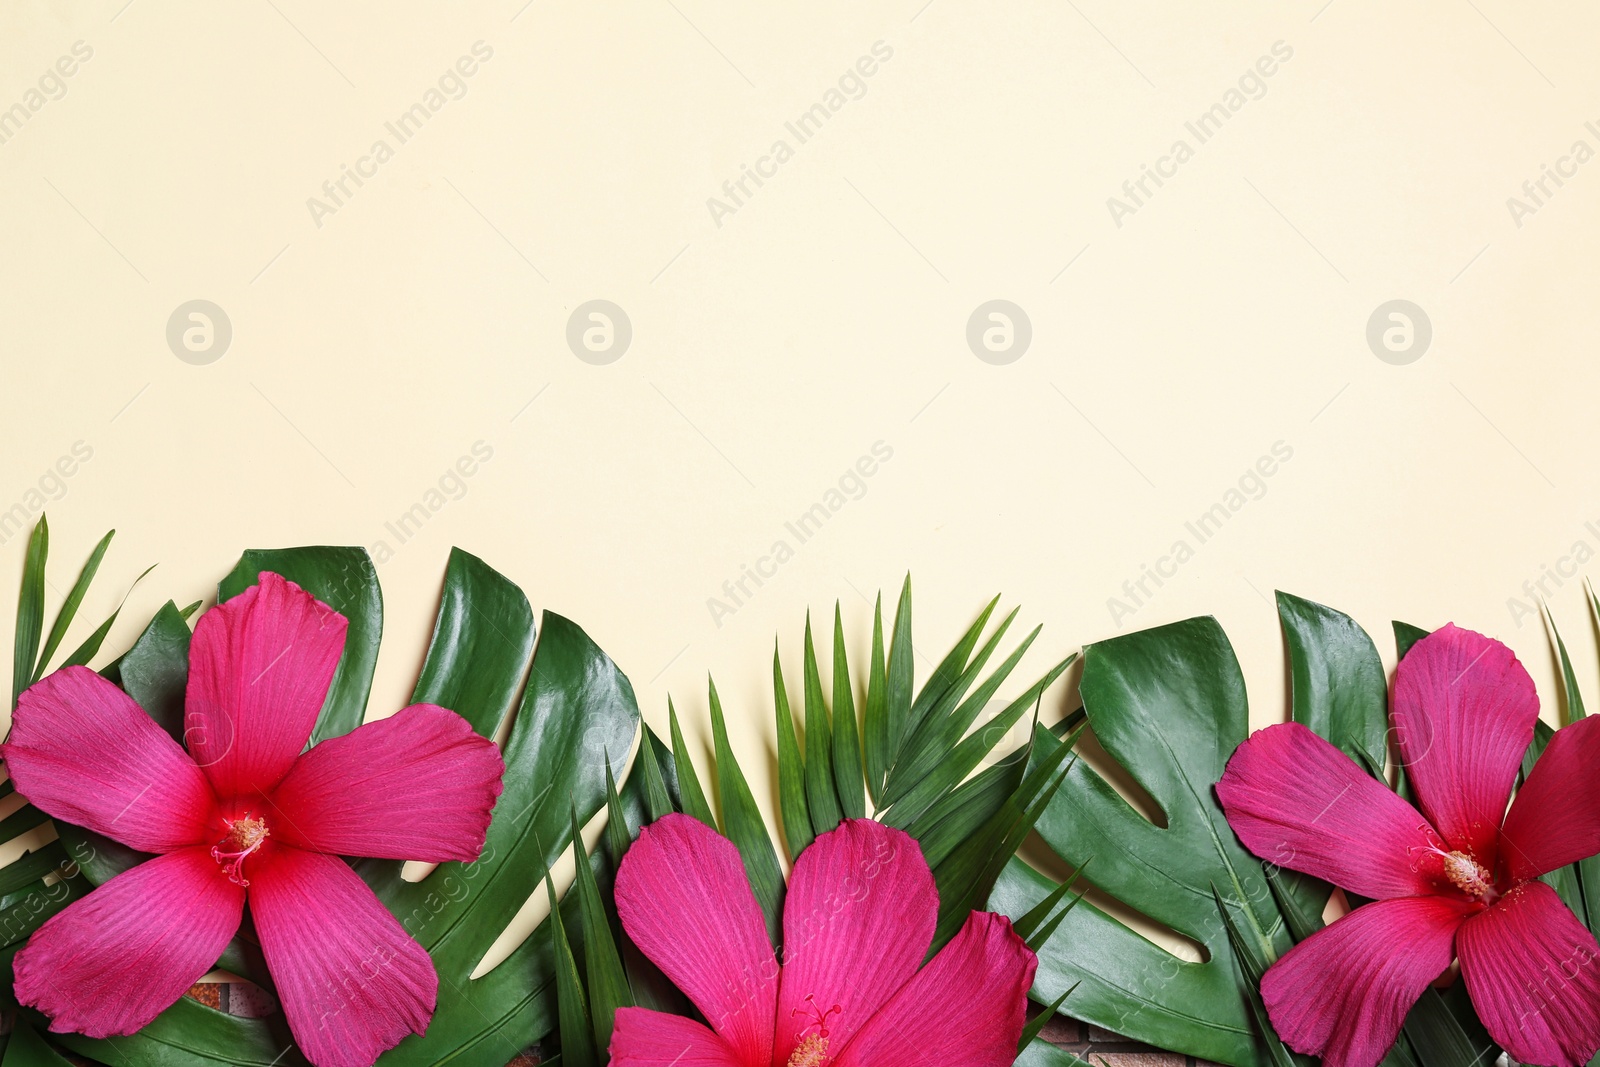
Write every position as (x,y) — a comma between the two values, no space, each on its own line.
(1468,875)
(245,835)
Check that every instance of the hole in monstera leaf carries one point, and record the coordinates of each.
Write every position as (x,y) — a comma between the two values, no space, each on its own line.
(1091,752)
(1038,855)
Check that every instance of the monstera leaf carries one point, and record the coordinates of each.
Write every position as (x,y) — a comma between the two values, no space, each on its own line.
(1168,705)
(575,709)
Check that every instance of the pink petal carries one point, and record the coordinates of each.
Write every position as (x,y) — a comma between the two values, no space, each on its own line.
(1298,802)
(259,670)
(645,1038)
(685,901)
(967,1006)
(1464,710)
(1343,992)
(1555,819)
(352,982)
(1530,967)
(116,959)
(857,924)
(82,750)
(418,785)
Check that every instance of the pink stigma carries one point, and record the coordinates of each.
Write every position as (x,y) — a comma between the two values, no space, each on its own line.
(812,1051)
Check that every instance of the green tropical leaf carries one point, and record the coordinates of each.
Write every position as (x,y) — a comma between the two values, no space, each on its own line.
(30,610)
(692,795)
(966,877)
(27,1049)
(875,715)
(1278,1054)
(847,767)
(1040,1053)
(822,797)
(1338,689)
(69,606)
(1406,635)
(1169,705)
(744,826)
(574,1023)
(607,985)
(796,816)
(155,669)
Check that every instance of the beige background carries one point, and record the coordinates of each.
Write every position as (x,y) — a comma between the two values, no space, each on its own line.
(827,313)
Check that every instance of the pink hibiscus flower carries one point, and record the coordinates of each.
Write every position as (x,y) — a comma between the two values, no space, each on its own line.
(852,991)
(1458,880)
(244,815)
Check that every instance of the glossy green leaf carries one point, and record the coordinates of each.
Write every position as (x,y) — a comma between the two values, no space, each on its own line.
(1446,1034)
(1339,689)
(744,825)
(875,715)
(1406,635)
(1038,1023)
(959,755)
(574,1024)
(1337,681)
(964,810)
(1167,704)
(652,753)
(690,792)
(953,666)
(822,797)
(900,677)
(577,707)
(30,610)
(967,876)
(1276,1052)
(155,669)
(69,606)
(792,809)
(1571,695)
(847,767)
(948,717)
(607,985)
(27,1049)
(1040,1053)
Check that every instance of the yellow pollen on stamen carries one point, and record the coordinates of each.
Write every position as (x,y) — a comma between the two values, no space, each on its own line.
(1467,875)
(244,837)
(812,1051)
